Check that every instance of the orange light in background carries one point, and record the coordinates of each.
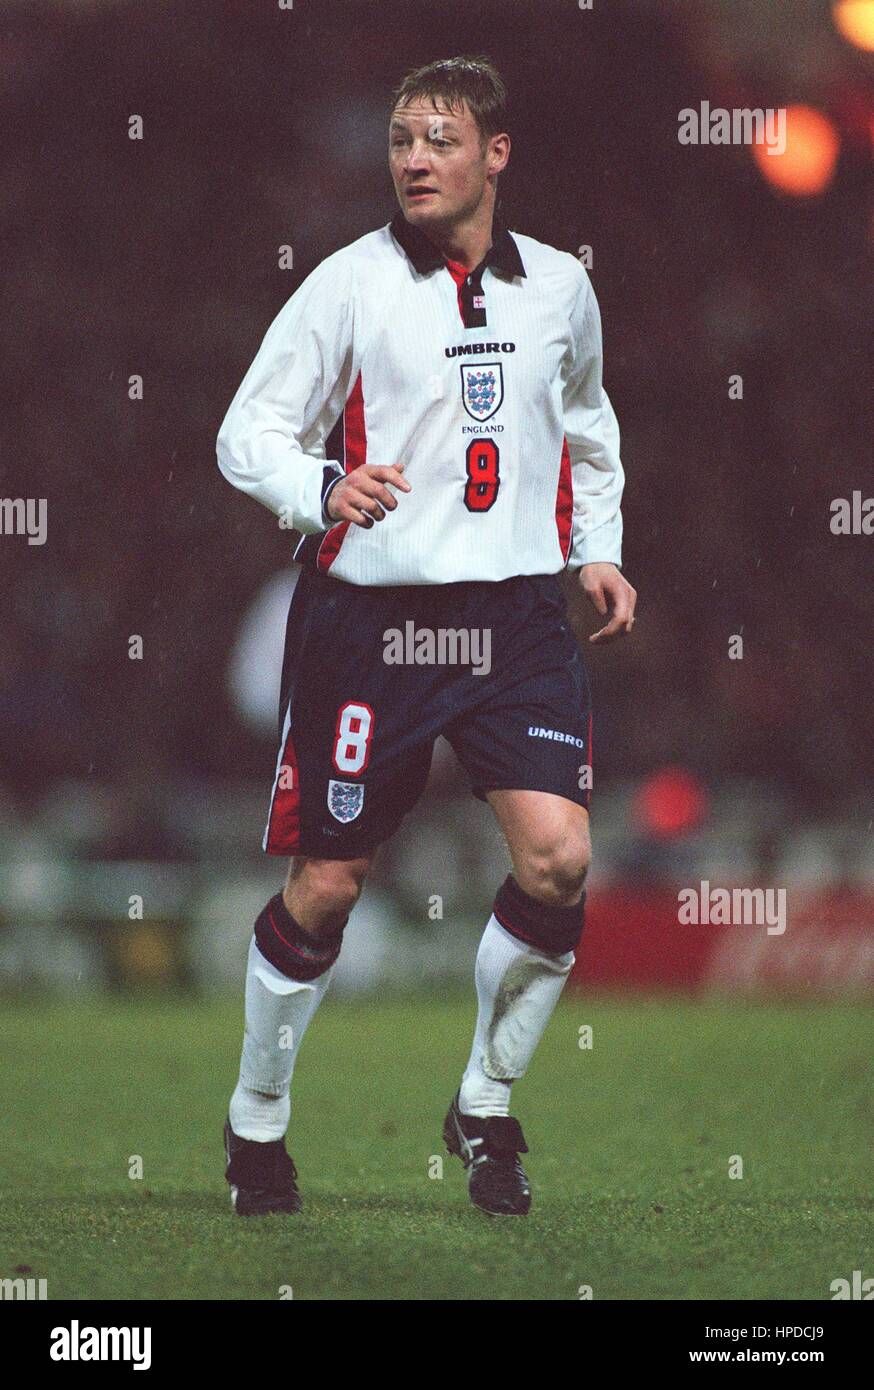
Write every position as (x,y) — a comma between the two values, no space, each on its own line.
(669,803)
(855,20)
(807,164)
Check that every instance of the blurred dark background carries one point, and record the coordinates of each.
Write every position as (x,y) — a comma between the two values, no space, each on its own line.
(266,127)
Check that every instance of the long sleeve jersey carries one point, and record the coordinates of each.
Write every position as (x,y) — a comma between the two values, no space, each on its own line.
(485,384)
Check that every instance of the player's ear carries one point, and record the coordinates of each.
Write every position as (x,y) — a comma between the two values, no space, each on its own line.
(499,153)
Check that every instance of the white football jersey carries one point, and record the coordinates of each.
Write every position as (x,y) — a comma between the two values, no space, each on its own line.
(486,385)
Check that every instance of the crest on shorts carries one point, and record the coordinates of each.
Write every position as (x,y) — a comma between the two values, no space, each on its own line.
(345,800)
(482,389)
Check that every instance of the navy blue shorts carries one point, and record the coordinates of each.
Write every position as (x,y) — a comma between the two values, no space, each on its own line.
(373,675)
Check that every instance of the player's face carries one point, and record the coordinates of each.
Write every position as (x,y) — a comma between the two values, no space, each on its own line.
(438,163)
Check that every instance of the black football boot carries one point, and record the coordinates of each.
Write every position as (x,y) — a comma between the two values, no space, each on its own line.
(262,1177)
(490,1150)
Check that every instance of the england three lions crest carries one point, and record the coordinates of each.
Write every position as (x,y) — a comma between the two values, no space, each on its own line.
(482,389)
(345,800)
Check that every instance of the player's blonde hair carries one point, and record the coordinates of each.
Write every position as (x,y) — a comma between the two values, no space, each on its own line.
(472,80)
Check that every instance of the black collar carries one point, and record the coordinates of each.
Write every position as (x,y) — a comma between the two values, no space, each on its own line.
(503,254)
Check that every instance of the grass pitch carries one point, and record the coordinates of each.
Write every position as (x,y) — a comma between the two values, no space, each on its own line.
(631,1145)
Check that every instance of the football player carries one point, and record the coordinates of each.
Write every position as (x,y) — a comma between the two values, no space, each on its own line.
(428,412)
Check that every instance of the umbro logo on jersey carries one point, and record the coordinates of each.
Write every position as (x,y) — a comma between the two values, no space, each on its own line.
(535,732)
(464,349)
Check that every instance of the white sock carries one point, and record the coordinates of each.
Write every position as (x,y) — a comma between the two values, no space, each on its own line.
(278,1011)
(517,988)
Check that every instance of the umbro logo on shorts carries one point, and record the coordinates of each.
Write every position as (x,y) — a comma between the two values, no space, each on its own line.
(535,732)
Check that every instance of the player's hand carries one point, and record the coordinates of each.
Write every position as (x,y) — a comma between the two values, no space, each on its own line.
(610,593)
(362,496)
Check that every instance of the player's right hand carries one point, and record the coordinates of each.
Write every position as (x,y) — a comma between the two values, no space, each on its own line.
(362,496)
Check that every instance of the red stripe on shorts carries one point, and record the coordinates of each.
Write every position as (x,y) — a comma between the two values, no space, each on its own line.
(283,827)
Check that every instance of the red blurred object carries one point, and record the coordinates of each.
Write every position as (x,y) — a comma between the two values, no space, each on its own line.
(670,803)
(634,942)
(805,167)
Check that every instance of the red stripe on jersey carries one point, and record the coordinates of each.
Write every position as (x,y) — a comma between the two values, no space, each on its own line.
(283,827)
(354,453)
(459,275)
(564,503)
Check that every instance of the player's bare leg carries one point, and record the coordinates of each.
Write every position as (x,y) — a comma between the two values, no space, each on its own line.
(549,843)
(524,959)
(291,958)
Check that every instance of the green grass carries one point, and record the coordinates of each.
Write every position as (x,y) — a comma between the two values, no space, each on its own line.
(630,1148)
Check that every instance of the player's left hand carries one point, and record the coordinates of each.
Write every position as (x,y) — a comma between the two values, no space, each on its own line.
(610,592)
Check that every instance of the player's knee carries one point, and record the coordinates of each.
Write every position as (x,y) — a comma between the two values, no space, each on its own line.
(556,873)
(330,888)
